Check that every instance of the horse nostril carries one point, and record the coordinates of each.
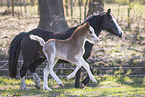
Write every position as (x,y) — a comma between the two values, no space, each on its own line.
(121,35)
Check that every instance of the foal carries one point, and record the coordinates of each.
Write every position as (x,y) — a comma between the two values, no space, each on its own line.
(71,49)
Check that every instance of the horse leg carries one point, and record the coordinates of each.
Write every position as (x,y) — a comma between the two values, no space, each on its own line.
(86,79)
(23,85)
(77,79)
(86,66)
(23,71)
(32,68)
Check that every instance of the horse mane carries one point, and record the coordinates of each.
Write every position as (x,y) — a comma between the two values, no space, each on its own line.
(95,14)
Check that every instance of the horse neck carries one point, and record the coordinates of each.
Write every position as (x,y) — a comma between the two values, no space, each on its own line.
(97,23)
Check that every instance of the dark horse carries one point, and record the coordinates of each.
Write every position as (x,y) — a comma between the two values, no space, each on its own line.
(32,51)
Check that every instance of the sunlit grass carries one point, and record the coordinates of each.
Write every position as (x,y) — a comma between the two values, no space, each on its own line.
(107,86)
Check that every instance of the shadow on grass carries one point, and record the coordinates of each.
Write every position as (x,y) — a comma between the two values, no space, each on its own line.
(60,92)
(132,81)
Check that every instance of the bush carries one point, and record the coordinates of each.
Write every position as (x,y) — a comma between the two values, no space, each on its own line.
(122,2)
(110,1)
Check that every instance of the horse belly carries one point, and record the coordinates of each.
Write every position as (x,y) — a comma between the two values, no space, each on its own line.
(61,54)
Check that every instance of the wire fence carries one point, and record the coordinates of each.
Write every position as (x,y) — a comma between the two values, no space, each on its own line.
(4,67)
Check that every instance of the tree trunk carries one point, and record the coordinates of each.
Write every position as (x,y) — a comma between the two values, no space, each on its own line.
(32,2)
(66,7)
(52,15)
(13,4)
(24,3)
(95,6)
(80,11)
(8,4)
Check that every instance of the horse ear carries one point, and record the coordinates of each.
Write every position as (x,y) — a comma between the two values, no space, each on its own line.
(109,11)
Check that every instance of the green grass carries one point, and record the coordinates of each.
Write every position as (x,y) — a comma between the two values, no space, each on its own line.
(107,86)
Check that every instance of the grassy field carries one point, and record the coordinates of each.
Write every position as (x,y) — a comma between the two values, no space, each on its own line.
(125,49)
(107,86)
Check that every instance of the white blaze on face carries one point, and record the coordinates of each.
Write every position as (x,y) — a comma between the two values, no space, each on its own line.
(118,27)
(94,37)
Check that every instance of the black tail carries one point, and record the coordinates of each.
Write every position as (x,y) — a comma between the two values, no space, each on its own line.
(14,54)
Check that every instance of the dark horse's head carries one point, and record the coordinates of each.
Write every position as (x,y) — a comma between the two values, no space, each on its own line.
(111,25)
(105,21)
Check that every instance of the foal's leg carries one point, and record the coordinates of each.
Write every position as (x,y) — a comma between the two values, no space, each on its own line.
(75,71)
(78,66)
(50,58)
(88,49)
(53,73)
(32,68)
(45,76)
(86,66)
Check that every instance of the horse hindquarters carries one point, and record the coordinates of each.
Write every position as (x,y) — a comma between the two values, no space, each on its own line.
(29,51)
(14,54)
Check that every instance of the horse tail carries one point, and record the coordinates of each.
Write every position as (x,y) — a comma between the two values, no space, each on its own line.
(14,51)
(37,38)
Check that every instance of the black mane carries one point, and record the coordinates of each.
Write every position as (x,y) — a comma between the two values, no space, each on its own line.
(96,21)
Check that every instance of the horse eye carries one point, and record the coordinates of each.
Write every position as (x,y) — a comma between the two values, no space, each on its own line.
(90,32)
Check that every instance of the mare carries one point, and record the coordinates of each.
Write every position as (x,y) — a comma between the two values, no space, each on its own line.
(32,51)
(71,49)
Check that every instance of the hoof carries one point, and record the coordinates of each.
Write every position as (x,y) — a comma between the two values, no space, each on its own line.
(61,85)
(37,87)
(95,82)
(47,89)
(82,85)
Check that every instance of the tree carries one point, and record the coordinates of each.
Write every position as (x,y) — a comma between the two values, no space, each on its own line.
(13,5)
(95,6)
(52,15)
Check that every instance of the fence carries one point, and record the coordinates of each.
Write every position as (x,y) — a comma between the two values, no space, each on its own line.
(4,67)
(101,68)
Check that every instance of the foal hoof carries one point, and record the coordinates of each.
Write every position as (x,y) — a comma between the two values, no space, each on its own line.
(47,89)
(95,82)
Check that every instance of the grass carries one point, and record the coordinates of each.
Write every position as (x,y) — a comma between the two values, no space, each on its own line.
(107,86)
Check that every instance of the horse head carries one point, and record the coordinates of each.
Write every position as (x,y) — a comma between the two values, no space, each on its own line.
(111,25)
